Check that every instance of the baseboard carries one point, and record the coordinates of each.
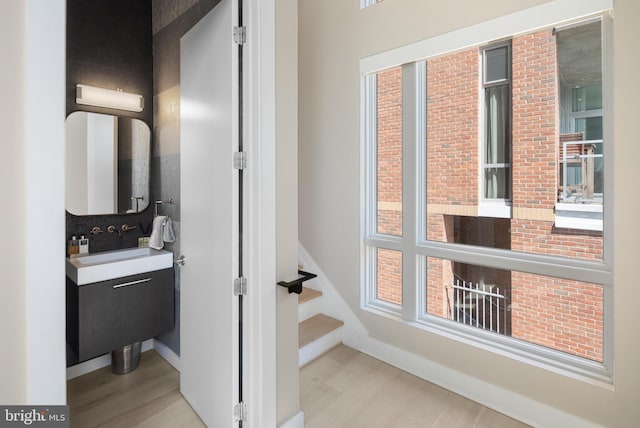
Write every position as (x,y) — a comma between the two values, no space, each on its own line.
(99,362)
(507,402)
(297,421)
(167,353)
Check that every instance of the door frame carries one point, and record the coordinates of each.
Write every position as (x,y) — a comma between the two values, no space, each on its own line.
(48,382)
(260,216)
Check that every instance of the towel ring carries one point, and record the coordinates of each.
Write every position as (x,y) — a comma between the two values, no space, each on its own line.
(156,203)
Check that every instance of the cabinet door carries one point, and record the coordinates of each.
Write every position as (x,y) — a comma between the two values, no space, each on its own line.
(118,312)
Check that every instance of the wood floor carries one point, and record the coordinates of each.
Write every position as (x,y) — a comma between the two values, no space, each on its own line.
(343,388)
(346,388)
(147,397)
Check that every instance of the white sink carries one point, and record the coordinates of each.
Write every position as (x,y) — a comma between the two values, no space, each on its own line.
(116,264)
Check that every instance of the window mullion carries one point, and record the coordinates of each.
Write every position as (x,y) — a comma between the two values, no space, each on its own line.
(370,120)
(410,122)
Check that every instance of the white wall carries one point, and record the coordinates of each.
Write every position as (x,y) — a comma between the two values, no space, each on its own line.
(13,328)
(45,218)
(32,310)
(334,36)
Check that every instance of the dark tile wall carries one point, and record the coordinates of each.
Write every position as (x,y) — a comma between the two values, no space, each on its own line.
(105,241)
(109,46)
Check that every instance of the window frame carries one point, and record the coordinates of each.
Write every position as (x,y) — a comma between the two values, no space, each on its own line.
(367,3)
(416,248)
(494,207)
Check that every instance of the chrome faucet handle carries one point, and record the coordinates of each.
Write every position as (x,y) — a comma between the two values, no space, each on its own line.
(125,227)
(95,230)
(112,229)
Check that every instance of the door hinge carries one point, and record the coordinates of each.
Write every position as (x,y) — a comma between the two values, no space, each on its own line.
(240,286)
(240,160)
(240,412)
(240,35)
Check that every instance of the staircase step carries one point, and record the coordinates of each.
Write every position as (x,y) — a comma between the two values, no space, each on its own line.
(316,336)
(308,294)
(316,327)
(309,304)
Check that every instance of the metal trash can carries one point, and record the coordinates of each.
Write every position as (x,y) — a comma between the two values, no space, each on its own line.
(126,358)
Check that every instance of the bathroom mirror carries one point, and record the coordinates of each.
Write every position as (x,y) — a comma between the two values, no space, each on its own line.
(107,164)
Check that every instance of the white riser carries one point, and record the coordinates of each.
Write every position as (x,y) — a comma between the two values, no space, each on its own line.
(309,308)
(319,346)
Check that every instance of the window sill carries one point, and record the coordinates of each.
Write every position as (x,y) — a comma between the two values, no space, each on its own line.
(579,216)
(500,210)
(581,369)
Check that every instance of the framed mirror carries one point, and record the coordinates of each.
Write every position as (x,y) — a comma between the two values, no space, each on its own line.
(107,164)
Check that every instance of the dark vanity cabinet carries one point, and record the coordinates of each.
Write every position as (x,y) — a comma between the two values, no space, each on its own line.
(106,315)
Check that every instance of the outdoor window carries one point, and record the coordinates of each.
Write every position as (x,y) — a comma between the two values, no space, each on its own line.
(389,151)
(559,314)
(581,141)
(484,256)
(367,3)
(497,123)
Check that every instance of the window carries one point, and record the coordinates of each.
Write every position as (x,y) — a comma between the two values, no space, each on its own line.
(434,254)
(367,3)
(582,143)
(497,123)
(389,151)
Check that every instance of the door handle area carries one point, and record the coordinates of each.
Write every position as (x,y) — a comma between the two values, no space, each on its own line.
(295,286)
(181,261)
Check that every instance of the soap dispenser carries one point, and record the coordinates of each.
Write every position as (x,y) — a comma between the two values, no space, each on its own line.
(73,247)
(83,245)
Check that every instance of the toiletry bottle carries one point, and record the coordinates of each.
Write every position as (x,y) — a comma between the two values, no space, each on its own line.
(74,246)
(83,245)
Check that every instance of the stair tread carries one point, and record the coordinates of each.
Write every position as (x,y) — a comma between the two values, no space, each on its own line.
(308,294)
(316,327)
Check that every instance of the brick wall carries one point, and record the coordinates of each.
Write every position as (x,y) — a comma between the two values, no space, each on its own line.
(452,129)
(558,313)
(541,237)
(534,121)
(389,276)
(389,146)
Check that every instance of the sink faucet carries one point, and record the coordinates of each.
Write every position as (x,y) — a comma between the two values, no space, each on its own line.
(96,230)
(125,227)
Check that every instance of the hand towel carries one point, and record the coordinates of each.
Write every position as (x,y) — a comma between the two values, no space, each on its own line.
(155,240)
(167,234)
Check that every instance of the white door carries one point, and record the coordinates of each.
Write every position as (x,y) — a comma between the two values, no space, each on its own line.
(209,217)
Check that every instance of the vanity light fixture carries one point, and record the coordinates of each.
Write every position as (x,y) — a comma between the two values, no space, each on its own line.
(100,97)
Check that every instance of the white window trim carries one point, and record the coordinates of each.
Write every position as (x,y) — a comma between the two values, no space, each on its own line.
(546,15)
(495,208)
(366,3)
(579,216)
(414,253)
